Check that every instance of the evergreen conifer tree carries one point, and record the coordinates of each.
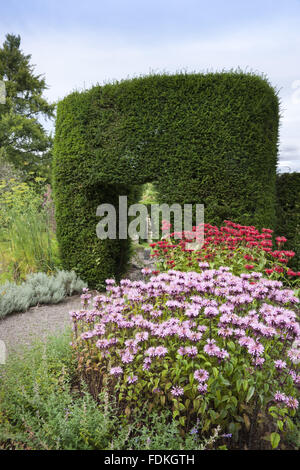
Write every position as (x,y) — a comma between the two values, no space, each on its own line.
(24,141)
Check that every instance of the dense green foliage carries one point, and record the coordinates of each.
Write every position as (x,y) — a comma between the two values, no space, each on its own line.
(209,139)
(77,197)
(288,212)
(44,407)
(23,139)
(38,288)
(27,228)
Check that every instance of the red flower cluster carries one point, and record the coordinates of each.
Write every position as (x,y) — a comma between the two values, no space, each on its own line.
(229,239)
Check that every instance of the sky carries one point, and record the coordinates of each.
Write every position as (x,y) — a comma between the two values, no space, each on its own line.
(77,44)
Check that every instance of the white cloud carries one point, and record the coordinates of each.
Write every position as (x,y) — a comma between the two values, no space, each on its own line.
(79,60)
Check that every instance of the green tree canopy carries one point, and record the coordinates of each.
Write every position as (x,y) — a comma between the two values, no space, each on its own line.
(23,140)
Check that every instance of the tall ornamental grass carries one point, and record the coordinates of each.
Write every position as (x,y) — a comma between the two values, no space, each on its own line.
(27,238)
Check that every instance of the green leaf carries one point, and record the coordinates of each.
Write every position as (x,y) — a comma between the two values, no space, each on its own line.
(250,394)
(168,386)
(280,425)
(234,401)
(213,415)
(238,384)
(245,385)
(196,404)
(229,368)
(182,420)
(275,439)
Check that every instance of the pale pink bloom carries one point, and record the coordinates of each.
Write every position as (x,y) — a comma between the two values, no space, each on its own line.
(280,364)
(292,402)
(202,388)
(116,371)
(177,391)
(132,379)
(201,375)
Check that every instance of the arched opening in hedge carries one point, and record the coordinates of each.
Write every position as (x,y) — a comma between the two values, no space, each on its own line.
(205,138)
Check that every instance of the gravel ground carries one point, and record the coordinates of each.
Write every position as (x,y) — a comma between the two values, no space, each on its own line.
(40,321)
(22,328)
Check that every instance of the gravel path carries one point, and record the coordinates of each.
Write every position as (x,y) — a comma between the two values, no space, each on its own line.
(38,322)
(22,328)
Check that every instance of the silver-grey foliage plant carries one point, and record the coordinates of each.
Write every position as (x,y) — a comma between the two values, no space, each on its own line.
(38,288)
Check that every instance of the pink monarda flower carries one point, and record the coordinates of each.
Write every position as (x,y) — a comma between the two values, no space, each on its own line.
(239,332)
(191,351)
(160,351)
(127,357)
(106,343)
(181,351)
(258,361)
(225,332)
(156,313)
(201,375)
(211,312)
(292,402)
(85,299)
(146,271)
(150,352)
(147,307)
(132,379)
(194,336)
(202,328)
(295,377)
(132,344)
(203,265)
(222,354)
(280,364)
(139,337)
(211,348)
(255,349)
(116,371)
(294,355)
(87,335)
(245,341)
(146,363)
(173,304)
(202,388)
(177,391)
(280,397)
(193,311)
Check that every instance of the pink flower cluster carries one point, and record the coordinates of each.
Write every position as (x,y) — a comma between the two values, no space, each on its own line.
(291,402)
(139,327)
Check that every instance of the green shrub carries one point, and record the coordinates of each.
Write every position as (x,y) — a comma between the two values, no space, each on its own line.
(44,407)
(288,212)
(38,409)
(208,139)
(38,289)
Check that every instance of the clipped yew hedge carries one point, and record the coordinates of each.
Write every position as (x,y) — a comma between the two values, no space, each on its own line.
(204,138)
(288,212)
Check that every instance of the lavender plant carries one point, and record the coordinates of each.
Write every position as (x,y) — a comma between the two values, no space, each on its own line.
(214,348)
(38,289)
